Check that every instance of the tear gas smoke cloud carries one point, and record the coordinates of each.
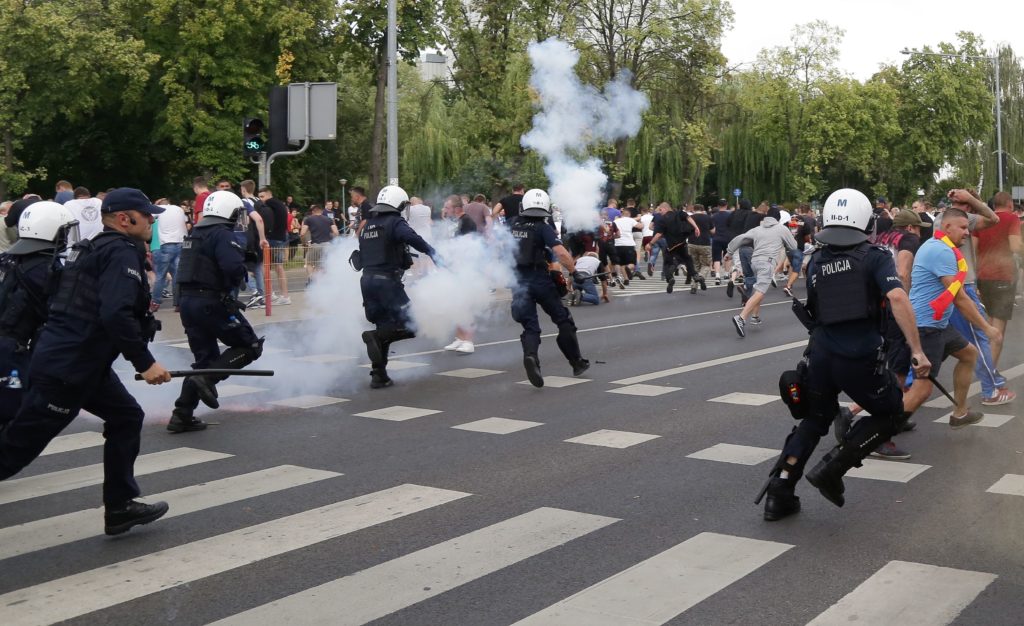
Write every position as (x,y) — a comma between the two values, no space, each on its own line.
(573,117)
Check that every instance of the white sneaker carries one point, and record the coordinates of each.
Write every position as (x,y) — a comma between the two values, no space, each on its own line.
(453,345)
(283,300)
(467,347)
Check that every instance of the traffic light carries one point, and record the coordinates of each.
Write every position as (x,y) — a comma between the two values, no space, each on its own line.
(252,136)
(278,120)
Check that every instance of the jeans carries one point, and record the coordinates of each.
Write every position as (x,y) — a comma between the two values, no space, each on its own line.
(588,291)
(655,249)
(985,369)
(166,260)
(746,252)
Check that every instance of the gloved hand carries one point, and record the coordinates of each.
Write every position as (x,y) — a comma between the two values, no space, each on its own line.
(577,278)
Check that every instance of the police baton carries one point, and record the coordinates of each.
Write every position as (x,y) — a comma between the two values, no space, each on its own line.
(935,382)
(215,372)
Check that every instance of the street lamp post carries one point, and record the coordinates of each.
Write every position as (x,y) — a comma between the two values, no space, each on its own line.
(344,203)
(999,96)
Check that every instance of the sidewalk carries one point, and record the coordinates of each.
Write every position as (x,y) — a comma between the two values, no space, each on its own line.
(173,331)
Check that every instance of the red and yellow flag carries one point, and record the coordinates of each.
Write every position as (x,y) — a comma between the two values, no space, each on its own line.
(940,304)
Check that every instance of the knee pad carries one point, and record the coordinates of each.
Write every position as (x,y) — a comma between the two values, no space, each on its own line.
(237,357)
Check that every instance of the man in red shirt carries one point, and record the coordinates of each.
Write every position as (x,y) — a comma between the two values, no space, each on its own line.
(201,189)
(996,266)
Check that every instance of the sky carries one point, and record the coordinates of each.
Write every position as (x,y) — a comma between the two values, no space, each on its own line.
(876,30)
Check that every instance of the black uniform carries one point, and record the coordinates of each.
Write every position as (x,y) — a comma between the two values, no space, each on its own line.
(846,291)
(384,254)
(676,229)
(535,286)
(212,266)
(100,311)
(24,290)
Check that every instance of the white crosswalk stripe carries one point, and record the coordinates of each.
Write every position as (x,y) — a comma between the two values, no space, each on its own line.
(656,590)
(66,480)
(908,594)
(76,441)
(85,592)
(402,582)
(62,529)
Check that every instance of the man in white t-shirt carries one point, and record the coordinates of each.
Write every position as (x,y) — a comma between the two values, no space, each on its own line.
(172,226)
(625,247)
(86,210)
(584,289)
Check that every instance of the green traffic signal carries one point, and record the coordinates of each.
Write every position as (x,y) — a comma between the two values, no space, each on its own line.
(252,136)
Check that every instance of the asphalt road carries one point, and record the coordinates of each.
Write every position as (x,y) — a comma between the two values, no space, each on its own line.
(336,514)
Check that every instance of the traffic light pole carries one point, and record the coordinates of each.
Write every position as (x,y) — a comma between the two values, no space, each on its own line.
(266,161)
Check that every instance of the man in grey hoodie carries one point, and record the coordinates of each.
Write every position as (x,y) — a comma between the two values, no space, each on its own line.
(769,239)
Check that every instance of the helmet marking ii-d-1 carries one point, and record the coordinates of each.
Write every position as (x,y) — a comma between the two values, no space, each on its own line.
(391,199)
(45,225)
(536,203)
(846,218)
(223,207)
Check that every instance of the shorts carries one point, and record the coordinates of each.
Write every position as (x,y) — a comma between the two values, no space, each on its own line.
(718,250)
(939,343)
(796,260)
(997,296)
(315,255)
(764,271)
(626,255)
(277,249)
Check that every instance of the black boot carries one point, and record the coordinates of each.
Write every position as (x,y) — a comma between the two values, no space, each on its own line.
(379,379)
(206,389)
(827,476)
(703,283)
(120,519)
(781,501)
(579,366)
(183,421)
(532,365)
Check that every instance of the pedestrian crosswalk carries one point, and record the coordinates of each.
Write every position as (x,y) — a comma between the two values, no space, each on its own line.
(654,588)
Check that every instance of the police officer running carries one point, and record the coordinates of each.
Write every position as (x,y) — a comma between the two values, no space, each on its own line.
(100,311)
(537,246)
(27,272)
(212,266)
(849,282)
(384,256)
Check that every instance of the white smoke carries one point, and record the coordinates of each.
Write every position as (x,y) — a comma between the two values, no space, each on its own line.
(572,118)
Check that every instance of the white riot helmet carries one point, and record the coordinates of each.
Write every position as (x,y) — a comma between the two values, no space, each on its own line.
(223,207)
(536,203)
(391,199)
(846,218)
(43,226)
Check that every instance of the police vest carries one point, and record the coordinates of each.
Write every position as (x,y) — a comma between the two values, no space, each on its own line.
(377,248)
(530,251)
(22,304)
(197,268)
(842,289)
(78,293)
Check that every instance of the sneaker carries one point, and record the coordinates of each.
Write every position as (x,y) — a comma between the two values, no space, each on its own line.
(718,281)
(167,295)
(580,366)
(532,366)
(743,293)
(453,345)
(730,289)
(639,275)
(670,285)
(787,291)
(775,283)
(971,417)
(889,450)
(467,347)
(255,302)
(283,300)
(703,283)
(121,519)
(618,281)
(379,379)
(1003,396)
(755,320)
(740,325)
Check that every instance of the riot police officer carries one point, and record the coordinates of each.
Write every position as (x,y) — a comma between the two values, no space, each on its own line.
(27,270)
(384,256)
(537,246)
(99,311)
(848,282)
(212,266)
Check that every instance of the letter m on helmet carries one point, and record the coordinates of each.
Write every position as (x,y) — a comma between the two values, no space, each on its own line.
(841,202)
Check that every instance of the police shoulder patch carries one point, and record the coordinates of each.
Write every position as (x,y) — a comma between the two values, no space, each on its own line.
(134,273)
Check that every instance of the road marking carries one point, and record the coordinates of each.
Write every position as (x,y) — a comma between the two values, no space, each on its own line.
(324,359)
(649,391)
(990,420)
(83,593)
(643,378)
(62,529)
(942,402)
(731,453)
(77,441)
(907,593)
(744,398)
(498,425)
(470,372)
(894,471)
(395,366)
(660,588)
(397,413)
(78,477)
(308,402)
(557,382)
(612,438)
(402,582)
(1010,485)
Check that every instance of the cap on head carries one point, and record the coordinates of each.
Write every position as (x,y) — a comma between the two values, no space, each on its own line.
(845,218)
(536,203)
(391,199)
(907,217)
(42,226)
(128,199)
